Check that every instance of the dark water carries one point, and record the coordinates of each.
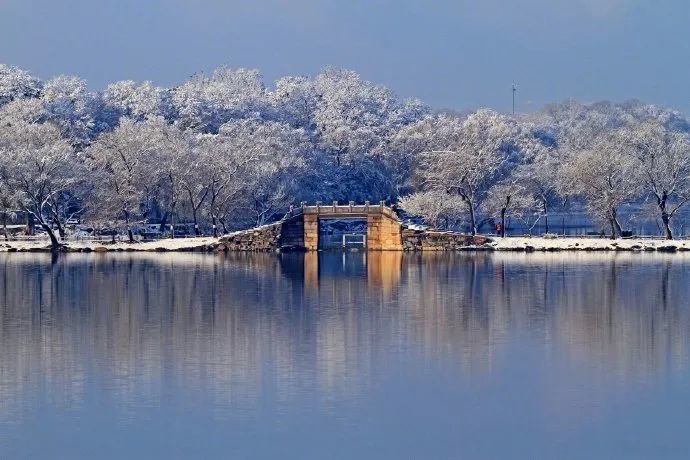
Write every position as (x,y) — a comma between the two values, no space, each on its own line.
(337,356)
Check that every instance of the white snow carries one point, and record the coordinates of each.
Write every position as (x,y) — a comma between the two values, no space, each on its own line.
(585,244)
(500,244)
(170,244)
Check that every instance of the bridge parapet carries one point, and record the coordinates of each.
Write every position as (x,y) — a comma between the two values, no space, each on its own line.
(346,210)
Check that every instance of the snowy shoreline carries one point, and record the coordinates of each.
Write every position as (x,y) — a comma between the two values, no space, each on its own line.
(588,244)
(209,244)
(165,245)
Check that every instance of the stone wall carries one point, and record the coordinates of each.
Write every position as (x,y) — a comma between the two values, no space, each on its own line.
(301,233)
(383,233)
(260,239)
(428,240)
(292,234)
(311,232)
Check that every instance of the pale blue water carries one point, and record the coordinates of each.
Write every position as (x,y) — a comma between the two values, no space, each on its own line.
(345,356)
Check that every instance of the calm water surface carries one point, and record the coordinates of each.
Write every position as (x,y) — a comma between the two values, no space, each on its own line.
(345,356)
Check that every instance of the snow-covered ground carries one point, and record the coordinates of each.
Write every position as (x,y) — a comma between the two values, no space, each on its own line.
(587,244)
(499,244)
(176,244)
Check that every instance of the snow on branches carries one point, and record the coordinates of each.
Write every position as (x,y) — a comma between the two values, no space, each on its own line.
(225,150)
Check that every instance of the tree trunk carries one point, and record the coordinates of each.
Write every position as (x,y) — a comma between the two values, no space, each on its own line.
(667,225)
(29,224)
(503,217)
(619,230)
(503,222)
(130,235)
(212,207)
(164,221)
(4,225)
(61,229)
(172,219)
(473,222)
(665,217)
(196,225)
(615,225)
(546,218)
(54,243)
(613,229)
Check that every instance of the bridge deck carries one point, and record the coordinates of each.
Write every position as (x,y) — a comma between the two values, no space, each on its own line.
(350,210)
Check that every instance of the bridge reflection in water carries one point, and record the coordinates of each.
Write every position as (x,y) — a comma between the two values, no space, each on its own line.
(226,326)
(381,269)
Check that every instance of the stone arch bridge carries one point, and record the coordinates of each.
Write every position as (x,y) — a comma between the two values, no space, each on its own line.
(299,231)
(301,225)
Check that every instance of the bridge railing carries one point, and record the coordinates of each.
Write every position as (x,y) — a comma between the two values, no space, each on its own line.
(343,209)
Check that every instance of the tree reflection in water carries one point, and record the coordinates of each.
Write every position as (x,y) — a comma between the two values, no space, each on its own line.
(145,325)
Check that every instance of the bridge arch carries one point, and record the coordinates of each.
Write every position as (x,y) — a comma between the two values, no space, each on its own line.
(384,230)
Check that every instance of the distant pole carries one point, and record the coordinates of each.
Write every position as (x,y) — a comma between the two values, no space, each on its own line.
(514,91)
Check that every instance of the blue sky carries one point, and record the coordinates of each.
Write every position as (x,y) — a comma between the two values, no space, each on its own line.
(458,54)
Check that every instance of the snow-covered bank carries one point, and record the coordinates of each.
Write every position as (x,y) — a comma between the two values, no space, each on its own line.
(176,244)
(205,244)
(587,244)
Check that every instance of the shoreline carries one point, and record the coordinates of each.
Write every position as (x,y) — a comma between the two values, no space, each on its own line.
(527,244)
(200,244)
(516,244)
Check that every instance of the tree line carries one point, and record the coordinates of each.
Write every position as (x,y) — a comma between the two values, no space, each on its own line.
(224,151)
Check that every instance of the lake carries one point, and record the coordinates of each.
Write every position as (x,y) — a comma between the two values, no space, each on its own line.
(345,355)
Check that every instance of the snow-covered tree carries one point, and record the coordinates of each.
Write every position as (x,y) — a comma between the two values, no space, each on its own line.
(43,172)
(509,199)
(203,103)
(22,111)
(201,176)
(171,159)
(404,153)
(16,83)
(294,102)
(7,201)
(538,175)
(139,102)
(67,105)
(467,157)
(605,175)
(272,178)
(574,126)
(355,122)
(438,208)
(352,115)
(123,163)
(224,150)
(663,166)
